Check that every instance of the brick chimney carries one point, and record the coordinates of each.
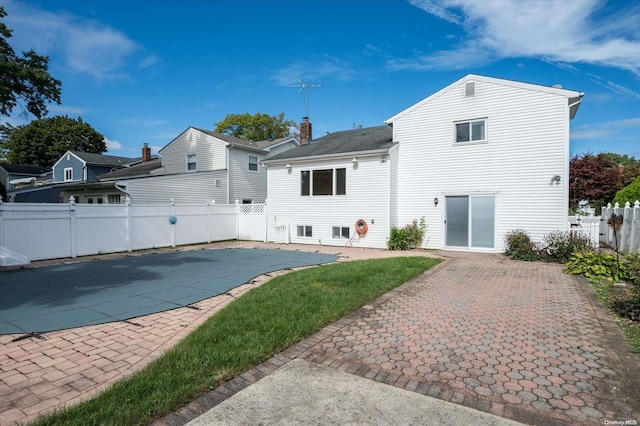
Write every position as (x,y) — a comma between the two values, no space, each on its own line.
(146,153)
(621,168)
(305,131)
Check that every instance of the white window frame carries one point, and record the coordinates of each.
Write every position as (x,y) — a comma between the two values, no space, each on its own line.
(338,232)
(194,162)
(470,123)
(257,167)
(334,182)
(69,171)
(111,198)
(303,230)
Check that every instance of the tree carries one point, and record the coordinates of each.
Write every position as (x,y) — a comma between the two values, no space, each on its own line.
(629,193)
(43,142)
(630,167)
(257,127)
(593,177)
(24,78)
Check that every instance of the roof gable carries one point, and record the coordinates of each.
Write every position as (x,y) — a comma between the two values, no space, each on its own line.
(573,96)
(343,142)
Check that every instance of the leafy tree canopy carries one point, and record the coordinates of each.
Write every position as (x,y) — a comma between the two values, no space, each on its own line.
(43,142)
(257,127)
(631,167)
(629,193)
(24,80)
(593,177)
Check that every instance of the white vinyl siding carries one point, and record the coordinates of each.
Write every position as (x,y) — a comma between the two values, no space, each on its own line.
(209,151)
(182,188)
(367,198)
(253,163)
(528,144)
(245,183)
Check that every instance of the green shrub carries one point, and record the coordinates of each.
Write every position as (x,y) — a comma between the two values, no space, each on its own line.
(519,246)
(596,265)
(409,237)
(398,239)
(559,246)
(629,193)
(631,262)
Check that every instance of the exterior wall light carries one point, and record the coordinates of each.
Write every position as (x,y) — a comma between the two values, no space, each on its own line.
(436,201)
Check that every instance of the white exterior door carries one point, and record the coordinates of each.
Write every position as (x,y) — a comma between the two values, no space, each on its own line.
(470,221)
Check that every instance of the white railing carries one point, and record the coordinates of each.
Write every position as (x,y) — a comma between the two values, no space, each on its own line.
(589,226)
(48,231)
(627,232)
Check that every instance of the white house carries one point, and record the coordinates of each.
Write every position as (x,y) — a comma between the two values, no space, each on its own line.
(196,166)
(477,159)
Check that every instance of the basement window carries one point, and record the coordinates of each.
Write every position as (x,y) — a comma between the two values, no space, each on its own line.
(340,232)
(305,231)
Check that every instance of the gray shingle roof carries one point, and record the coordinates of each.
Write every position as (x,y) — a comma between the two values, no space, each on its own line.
(27,170)
(138,170)
(104,160)
(239,141)
(365,139)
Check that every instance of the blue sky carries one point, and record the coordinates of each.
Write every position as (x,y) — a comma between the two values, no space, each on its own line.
(143,71)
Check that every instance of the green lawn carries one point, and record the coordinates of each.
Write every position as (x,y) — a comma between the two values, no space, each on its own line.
(250,330)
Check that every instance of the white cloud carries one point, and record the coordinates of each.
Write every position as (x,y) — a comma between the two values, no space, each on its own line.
(112,145)
(313,70)
(88,46)
(433,9)
(65,110)
(149,61)
(597,130)
(559,31)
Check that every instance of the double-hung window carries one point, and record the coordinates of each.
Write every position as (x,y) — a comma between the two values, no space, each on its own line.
(253,163)
(68,174)
(191,162)
(471,131)
(323,182)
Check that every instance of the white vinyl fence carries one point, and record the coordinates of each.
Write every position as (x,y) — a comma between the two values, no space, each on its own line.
(50,231)
(628,234)
(589,226)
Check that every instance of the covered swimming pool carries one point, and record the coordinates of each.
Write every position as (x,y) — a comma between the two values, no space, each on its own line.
(39,300)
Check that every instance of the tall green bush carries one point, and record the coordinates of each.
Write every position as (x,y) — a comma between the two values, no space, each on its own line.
(408,237)
(629,193)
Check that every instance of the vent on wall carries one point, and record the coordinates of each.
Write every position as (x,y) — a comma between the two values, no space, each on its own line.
(217,183)
(470,89)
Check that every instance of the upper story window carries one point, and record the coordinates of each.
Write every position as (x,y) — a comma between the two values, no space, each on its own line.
(323,182)
(471,131)
(68,174)
(253,163)
(191,162)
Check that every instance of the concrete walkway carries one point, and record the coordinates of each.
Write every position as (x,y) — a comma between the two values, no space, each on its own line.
(521,341)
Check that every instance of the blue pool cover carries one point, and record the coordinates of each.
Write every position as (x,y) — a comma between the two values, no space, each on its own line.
(38,300)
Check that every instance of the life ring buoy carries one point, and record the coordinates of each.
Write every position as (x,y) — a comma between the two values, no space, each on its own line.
(361,227)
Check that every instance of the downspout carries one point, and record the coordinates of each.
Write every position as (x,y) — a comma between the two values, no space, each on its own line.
(226,166)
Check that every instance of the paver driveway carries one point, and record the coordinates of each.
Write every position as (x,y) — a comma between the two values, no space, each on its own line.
(520,340)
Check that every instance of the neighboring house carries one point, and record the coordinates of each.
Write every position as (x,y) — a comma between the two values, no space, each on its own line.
(15,177)
(197,166)
(73,169)
(477,159)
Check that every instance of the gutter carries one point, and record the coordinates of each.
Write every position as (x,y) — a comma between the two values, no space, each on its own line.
(370,153)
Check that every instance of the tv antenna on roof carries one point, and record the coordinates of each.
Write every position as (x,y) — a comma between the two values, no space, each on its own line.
(307,88)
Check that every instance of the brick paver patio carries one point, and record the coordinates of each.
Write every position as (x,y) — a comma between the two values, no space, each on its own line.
(520,340)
